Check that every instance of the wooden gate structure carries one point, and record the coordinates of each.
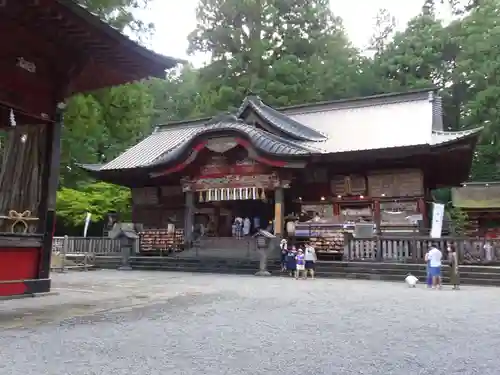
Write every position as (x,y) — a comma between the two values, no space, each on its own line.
(50,50)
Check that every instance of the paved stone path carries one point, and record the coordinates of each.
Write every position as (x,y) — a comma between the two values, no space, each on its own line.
(148,323)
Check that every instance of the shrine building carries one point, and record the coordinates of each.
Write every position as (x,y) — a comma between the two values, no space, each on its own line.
(372,159)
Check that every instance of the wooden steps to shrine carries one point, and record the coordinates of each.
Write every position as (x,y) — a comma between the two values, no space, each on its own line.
(469,275)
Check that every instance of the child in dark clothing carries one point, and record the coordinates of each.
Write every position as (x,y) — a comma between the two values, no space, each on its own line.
(290,261)
(284,252)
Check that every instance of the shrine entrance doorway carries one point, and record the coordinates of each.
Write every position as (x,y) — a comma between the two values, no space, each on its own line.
(219,218)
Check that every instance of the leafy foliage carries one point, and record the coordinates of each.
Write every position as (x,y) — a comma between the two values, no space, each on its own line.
(458,219)
(101,125)
(296,51)
(120,14)
(97,198)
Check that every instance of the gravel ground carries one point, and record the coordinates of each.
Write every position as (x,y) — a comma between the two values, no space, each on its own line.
(178,323)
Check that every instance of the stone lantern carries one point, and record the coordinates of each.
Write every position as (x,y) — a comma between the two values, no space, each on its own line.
(127,234)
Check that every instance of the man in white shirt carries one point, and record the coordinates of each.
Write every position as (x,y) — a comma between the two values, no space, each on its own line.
(434,257)
(310,258)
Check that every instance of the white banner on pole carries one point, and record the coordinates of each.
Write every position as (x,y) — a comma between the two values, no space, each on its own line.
(87,222)
(437,220)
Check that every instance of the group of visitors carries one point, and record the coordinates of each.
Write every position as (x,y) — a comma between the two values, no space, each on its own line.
(298,262)
(434,262)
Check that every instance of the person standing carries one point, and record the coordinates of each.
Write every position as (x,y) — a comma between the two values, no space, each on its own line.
(310,258)
(434,257)
(488,251)
(300,264)
(246,226)
(284,253)
(291,263)
(454,274)
(428,271)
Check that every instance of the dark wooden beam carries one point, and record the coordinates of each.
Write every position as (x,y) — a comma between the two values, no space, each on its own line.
(50,182)
(19,240)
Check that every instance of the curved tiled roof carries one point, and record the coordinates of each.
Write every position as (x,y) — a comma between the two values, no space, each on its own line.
(357,129)
(281,121)
(440,137)
(169,142)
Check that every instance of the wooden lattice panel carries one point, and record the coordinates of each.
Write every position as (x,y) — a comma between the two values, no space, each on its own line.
(324,210)
(396,183)
(145,196)
(348,185)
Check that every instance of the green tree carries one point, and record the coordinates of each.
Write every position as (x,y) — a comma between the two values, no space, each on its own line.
(120,14)
(97,198)
(414,58)
(98,127)
(385,24)
(178,97)
(478,66)
(101,125)
(286,51)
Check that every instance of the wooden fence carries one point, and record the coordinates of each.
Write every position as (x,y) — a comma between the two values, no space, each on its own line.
(70,253)
(86,245)
(413,249)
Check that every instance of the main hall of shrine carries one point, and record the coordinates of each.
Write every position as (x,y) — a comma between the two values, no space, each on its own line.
(372,159)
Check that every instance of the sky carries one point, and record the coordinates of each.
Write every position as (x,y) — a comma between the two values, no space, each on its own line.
(174,23)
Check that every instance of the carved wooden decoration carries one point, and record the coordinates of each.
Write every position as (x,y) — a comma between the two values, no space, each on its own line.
(171,191)
(145,196)
(399,213)
(316,175)
(396,183)
(348,185)
(221,145)
(324,210)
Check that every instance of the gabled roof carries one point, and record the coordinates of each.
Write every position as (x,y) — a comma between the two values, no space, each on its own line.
(443,137)
(304,131)
(283,123)
(168,143)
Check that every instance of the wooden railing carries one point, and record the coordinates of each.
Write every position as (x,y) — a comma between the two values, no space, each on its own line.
(87,245)
(413,249)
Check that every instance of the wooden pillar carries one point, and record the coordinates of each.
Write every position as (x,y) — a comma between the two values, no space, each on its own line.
(422,209)
(189,217)
(336,209)
(279,210)
(50,182)
(377,217)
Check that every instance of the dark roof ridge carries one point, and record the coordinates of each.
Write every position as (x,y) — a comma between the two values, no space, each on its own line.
(281,121)
(360,99)
(225,117)
(304,105)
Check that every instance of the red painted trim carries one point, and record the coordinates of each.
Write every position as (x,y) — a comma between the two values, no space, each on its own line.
(336,209)
(272,163)
(17,264)
(201,145)
(178,167)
